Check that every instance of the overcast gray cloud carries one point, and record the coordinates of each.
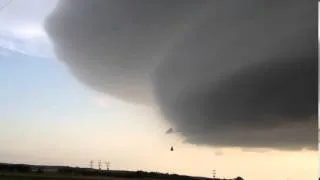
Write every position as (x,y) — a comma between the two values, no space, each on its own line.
(225,73)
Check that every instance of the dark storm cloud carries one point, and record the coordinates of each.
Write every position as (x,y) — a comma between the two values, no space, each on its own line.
(113,45)
(225,73)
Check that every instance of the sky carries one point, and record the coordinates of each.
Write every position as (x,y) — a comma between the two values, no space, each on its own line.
(81,86)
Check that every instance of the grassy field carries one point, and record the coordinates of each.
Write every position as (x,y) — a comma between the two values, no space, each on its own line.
(16,176)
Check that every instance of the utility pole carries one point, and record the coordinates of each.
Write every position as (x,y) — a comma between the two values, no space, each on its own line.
(99,164)
(107,165)
(91,164)
(214,174)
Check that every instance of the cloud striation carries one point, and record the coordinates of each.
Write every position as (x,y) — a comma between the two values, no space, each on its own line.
(224,73)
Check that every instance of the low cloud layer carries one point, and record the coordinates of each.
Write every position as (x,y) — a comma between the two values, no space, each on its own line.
(225,74)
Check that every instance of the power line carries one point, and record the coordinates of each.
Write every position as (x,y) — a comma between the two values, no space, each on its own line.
(91,164)
(107,165)
(99,164)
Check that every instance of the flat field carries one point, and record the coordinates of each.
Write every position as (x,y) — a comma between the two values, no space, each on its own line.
(20,176)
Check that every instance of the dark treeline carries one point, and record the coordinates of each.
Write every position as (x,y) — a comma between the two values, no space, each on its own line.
(76,171)
(15,168)
(122,174)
